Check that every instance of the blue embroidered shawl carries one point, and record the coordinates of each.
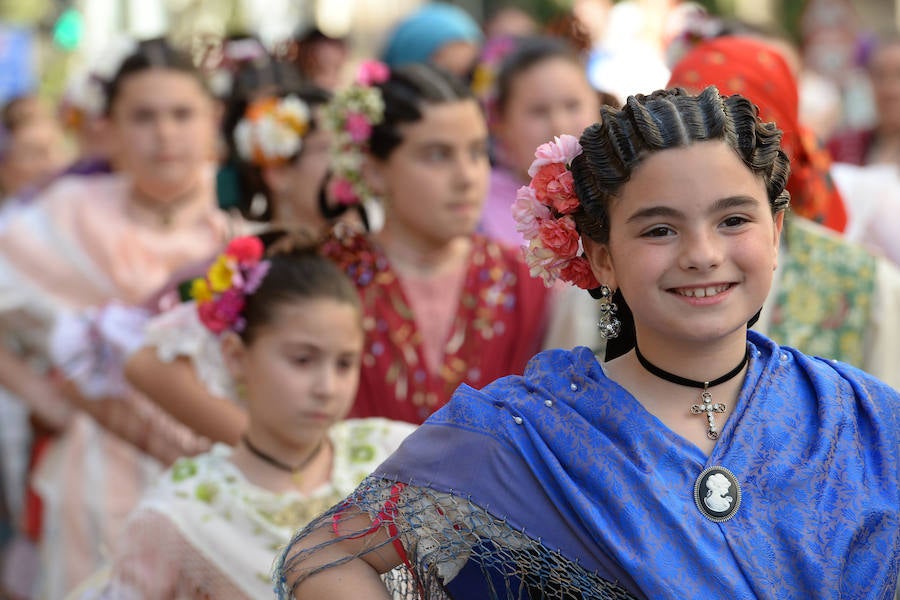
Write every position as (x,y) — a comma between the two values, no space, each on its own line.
(588,471)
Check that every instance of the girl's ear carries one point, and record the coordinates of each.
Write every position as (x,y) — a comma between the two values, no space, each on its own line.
(779,226)
(234,352)
(601,262)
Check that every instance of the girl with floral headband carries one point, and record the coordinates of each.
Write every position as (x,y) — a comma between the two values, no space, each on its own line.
(443,305)
(290,327)
(706,461)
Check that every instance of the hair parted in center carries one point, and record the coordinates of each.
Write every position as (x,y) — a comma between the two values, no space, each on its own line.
(298,273)
(405,93)
(663,120)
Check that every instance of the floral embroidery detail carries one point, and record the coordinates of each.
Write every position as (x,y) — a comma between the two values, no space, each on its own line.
(272,130)
(183,469)
(350,116)
(489,304)
(206,492)
(353,253)
(220,296)
(543,212)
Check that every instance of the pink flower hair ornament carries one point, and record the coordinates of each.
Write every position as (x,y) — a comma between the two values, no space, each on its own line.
(350,116)
(543,213)
(234,275)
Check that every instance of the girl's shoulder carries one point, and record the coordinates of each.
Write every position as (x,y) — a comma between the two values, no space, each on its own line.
(826,381)
(360,445)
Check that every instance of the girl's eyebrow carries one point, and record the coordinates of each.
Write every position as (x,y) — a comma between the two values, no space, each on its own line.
(721,204)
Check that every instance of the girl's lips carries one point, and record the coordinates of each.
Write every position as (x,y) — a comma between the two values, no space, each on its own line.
(315,416)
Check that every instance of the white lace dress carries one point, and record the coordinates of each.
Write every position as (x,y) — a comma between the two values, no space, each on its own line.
(205,531)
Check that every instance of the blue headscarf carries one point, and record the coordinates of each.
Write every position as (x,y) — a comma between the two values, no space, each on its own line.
(425,31)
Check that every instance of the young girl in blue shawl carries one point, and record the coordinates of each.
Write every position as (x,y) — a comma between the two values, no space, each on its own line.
(702,461)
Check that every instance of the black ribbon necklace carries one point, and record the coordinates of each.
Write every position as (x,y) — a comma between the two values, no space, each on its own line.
(293,470)
(708,407)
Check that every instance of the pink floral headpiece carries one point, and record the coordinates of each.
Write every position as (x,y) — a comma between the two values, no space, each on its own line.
(350,116)
(543,213)
(236,273)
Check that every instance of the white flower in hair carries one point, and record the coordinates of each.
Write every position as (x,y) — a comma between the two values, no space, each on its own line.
(294,112)
(275,139)
(272,130)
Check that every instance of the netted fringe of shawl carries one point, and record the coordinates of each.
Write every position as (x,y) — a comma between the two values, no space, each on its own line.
(440,533)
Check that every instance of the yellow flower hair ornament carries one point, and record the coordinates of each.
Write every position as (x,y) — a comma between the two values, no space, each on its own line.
(235,274)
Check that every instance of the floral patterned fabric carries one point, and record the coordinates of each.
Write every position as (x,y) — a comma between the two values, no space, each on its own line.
(569,457)
(824,296)
(204,531)
(499,323)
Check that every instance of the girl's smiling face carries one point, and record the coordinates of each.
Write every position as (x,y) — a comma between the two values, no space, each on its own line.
(692,245)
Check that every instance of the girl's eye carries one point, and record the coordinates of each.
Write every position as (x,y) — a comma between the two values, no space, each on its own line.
(573,105)
(301,360)
(658,231)
(347,364)
(437,154)
(734,221)
(142,116)
(479,151)
(183,113)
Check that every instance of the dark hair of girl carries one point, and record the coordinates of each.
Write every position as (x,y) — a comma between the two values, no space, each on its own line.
(667,119)
(529,51)
(408,89)
(156,53)
(298,272)
(254,80)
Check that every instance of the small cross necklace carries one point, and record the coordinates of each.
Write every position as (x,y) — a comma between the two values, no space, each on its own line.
(708,407)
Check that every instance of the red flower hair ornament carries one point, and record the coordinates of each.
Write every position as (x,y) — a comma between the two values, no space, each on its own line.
(543,213)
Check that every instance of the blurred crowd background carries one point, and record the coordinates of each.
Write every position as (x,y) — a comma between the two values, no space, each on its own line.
(829,76)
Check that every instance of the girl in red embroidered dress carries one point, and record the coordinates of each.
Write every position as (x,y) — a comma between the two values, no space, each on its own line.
(443,305)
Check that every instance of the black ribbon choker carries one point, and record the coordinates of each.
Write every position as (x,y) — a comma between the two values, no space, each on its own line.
(707,407)
(277,463)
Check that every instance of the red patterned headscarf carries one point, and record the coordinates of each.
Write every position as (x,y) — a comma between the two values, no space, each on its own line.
(756,70)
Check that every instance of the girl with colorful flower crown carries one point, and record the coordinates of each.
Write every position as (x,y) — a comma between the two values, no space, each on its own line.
(290,326)
(443,305)
(704,462)
(88,241)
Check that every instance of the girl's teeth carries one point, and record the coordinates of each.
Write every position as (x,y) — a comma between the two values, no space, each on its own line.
(703,292)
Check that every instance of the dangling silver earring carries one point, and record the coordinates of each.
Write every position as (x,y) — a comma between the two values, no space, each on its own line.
(608,324)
